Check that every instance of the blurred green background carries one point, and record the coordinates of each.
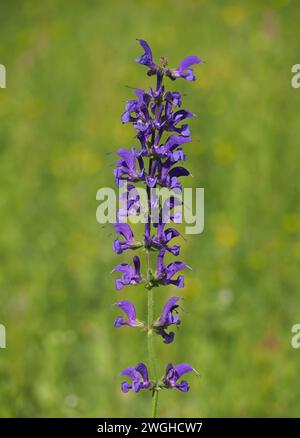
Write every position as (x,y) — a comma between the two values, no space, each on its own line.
(68,65)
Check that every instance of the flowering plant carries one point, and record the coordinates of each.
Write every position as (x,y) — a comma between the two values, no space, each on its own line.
(153,114)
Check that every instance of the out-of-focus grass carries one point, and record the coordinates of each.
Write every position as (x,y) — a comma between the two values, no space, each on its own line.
(67,67)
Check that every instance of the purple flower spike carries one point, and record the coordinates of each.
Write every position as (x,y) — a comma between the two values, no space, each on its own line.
(139,377)
(173,374)
(162,130)
(183,70)
(167,318)
(130,275)
(129,309)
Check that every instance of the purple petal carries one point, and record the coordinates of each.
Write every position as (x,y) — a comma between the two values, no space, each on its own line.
(170,233)
(160,261)
(176,140)
(188,61)
(146,58)
(130,372)
(142,369)
(174,267)
(137,265)
(134,375)
(124,268)
(179,282)
(151,181)
(168,307)
(181,369)
(125,118)
(185,130)
(167,337)
(125,230)
(119,284)
(175,250)
(126,154)
(128,308)
(173,97)
(120,321)
(125,387)
(189,75)
(140,93)
(178,171)
(146,47)
(117,246)
(169,370)
(183,386)
(181,115)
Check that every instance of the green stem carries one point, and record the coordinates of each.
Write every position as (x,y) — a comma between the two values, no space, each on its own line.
(154,403)
(150,333)
(151,353)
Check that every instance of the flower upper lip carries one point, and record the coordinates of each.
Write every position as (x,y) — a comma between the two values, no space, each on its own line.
(129,310)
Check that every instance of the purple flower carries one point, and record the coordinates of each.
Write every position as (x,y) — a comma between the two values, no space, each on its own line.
(165,274)
(139,377)
(151,179)
(172,98)
(162,238)
(171,148)
(169,175)
(170,212)
(128,243)
(158,93)
(170,121)
(130,167)
(174,372)
(131,275)
(183,70)
(136,108)
(137,112)
(129,202)
(143,138)
(129,309)
(146,58)
(167,318)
